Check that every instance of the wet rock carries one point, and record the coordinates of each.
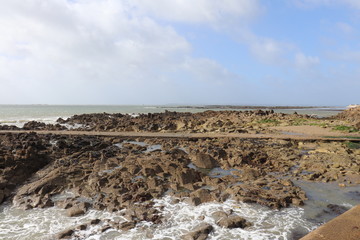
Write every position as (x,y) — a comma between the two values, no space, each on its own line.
(34,125)
(2,196)
(218,215)
(201,196)
(105,228)
(66,234)
(200,232)
(336,209)
(203,160)
(125,226)
(78,209)
(187,176)
(233,221)
(81,227)
(95,221)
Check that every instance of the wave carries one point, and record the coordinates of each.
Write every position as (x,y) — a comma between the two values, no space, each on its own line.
(180,218)
(21,121)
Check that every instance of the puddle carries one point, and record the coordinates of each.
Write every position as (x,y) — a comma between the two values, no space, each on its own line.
(139,177)
(219,172)
(292,133)
(153,148)
(108,170)
(215,172)
(324,196)
(149,148)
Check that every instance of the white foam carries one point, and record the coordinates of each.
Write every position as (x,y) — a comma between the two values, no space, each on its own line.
(19,122)
(180,218)
(267,223)
(39,223)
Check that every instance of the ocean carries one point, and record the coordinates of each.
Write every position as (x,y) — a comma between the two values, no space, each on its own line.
(289,223)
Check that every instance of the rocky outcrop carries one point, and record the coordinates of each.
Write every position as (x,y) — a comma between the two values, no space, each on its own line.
(34,125)
(203,160)
(114,173)
(351,115)
(9,127)
(200,232)
(233,221)
(21,155)
(208,121)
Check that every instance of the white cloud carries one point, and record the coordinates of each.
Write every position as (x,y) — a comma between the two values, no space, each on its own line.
(316,3)
(68,51)
(351,3)
(207,70)
(214,13)
(344,27)
(268,50)
(304,62)
(345,55)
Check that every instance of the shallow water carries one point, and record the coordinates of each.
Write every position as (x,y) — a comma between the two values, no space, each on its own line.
(322,194)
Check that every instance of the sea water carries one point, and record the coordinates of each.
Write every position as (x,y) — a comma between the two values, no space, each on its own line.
(181,217)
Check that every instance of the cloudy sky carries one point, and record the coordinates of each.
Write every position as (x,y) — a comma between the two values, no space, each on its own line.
(278,52)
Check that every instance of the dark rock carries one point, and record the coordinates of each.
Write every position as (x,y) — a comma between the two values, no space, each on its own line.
(187,176)
(81,227)
(336,209)
(125,226)
(66,234)
(105,228)
(2,196)
(95,221)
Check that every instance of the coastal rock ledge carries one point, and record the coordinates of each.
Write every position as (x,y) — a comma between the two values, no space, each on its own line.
(125,175)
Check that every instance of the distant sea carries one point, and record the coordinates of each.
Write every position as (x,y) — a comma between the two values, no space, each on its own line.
(19,114)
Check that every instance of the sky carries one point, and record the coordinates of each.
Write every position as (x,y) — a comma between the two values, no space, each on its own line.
(238,52)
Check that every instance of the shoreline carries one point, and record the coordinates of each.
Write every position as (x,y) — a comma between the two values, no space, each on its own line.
(254,107)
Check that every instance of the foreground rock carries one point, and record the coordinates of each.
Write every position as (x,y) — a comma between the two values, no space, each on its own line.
(233,221)
(114,173)
(200,232)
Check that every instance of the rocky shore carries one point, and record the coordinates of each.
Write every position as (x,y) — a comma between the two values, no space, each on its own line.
(125,175)
(208,121)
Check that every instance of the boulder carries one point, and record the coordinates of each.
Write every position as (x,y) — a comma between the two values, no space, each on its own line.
(218,215)
(201,196)
(187,176)
(203,160)
(125,226)
(200,232)
(66,234)
(77,210)
(233,221)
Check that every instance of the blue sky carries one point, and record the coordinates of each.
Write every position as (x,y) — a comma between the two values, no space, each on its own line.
(278,52)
